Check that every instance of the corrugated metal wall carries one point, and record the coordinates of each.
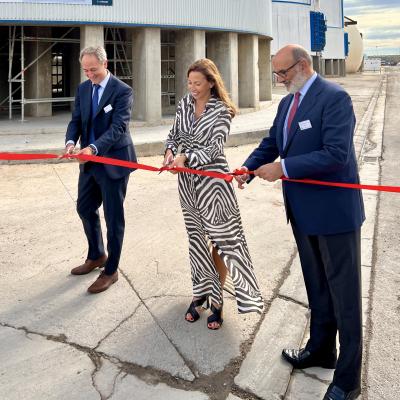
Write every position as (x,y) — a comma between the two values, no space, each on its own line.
(236,15)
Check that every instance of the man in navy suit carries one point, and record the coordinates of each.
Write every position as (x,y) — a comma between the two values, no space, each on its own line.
(100,121)
(313,135)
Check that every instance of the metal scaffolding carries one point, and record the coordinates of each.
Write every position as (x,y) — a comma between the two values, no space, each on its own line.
(19,78)
(119,61)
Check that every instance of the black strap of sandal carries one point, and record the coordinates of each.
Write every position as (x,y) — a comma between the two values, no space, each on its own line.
(216,316)
(192,308)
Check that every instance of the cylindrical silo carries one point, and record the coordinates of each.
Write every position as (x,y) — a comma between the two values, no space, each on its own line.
(356,49)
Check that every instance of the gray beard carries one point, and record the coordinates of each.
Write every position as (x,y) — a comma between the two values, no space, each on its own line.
(297,83)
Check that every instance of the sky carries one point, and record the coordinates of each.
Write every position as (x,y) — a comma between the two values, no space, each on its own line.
(379,22)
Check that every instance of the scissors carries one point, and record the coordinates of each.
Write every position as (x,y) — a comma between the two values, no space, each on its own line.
(169,160)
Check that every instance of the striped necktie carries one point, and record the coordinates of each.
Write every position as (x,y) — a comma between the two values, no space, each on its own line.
(292,112)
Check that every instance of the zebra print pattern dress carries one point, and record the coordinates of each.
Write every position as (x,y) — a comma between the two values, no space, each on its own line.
(210,208)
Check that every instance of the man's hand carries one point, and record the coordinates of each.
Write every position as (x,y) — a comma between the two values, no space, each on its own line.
(241,179)
(69,149)
(85,151)
(269,172)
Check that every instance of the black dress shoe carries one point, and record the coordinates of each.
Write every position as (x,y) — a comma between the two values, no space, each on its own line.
(304,359)
(335,393)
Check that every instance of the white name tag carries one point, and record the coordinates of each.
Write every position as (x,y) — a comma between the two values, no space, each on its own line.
(107,108)
(305,124)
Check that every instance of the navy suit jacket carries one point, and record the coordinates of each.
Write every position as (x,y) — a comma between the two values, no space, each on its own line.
(110,124)
(324,151)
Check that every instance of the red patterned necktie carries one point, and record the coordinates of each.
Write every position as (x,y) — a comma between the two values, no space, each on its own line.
(293,110)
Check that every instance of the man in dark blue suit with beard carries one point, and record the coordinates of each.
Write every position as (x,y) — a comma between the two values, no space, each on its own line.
(100,121)
(313,135)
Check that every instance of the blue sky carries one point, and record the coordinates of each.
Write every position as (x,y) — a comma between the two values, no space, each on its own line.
(379,22)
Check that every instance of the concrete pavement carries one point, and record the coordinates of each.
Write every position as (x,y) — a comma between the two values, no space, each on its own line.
(131,342)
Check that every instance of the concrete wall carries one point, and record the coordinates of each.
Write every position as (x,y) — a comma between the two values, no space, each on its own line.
(265,70)
(38,77)
(249,89)
(222,48)
(146,67)
(190,46)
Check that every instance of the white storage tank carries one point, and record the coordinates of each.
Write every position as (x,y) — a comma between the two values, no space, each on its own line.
(356,47)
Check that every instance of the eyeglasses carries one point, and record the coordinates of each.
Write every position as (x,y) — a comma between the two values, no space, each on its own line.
(283,72)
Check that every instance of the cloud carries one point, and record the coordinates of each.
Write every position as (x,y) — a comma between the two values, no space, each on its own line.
(379,22)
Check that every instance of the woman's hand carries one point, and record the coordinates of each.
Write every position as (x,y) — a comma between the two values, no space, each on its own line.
(241,179)
(168,158)
(178,162)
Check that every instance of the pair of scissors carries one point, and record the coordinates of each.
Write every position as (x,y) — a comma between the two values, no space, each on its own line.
(165,167)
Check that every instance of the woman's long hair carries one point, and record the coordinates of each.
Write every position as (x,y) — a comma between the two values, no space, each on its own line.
(210,71)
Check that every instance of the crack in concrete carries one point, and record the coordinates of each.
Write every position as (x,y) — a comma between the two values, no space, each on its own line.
(313,376)
(242,394)
(292,300)
(117,326)
(147,374)
(164,296)
(97,362)
(190,365)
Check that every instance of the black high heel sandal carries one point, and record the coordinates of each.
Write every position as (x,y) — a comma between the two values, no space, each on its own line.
(192,308)
(216,316)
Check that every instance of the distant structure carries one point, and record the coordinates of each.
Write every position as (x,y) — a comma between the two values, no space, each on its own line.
(316,25)
(355,54)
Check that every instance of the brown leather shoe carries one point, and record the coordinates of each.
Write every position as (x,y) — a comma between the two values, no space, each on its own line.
(89,266)
(103,282)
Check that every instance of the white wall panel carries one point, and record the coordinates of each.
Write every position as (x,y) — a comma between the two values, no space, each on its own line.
(333,12)
(334,44)
(290,24)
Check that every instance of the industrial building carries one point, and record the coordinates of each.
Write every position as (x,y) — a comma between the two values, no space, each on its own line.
(151,43)
(317,25)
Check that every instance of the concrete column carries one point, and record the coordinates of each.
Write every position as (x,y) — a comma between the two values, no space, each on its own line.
(264,65)
(146,67)
(222,48)
(91,35)
(249,86)
(38,81)
(342,67)
(336,71)
(318,64)
(190,46)
(329,67)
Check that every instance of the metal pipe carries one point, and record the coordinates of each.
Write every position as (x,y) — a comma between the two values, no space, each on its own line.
(22,76)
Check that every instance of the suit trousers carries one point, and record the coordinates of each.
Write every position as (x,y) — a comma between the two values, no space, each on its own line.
(95,188)
(331,267)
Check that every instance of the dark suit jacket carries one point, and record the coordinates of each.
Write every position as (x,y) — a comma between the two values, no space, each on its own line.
(111,128)
(325,151)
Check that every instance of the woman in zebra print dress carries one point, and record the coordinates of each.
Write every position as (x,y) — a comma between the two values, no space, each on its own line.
(209,205)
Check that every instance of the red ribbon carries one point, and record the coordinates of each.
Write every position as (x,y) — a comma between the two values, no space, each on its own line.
(227,177)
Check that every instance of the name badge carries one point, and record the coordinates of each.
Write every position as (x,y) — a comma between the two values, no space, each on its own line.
(305,125)
(107,108)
